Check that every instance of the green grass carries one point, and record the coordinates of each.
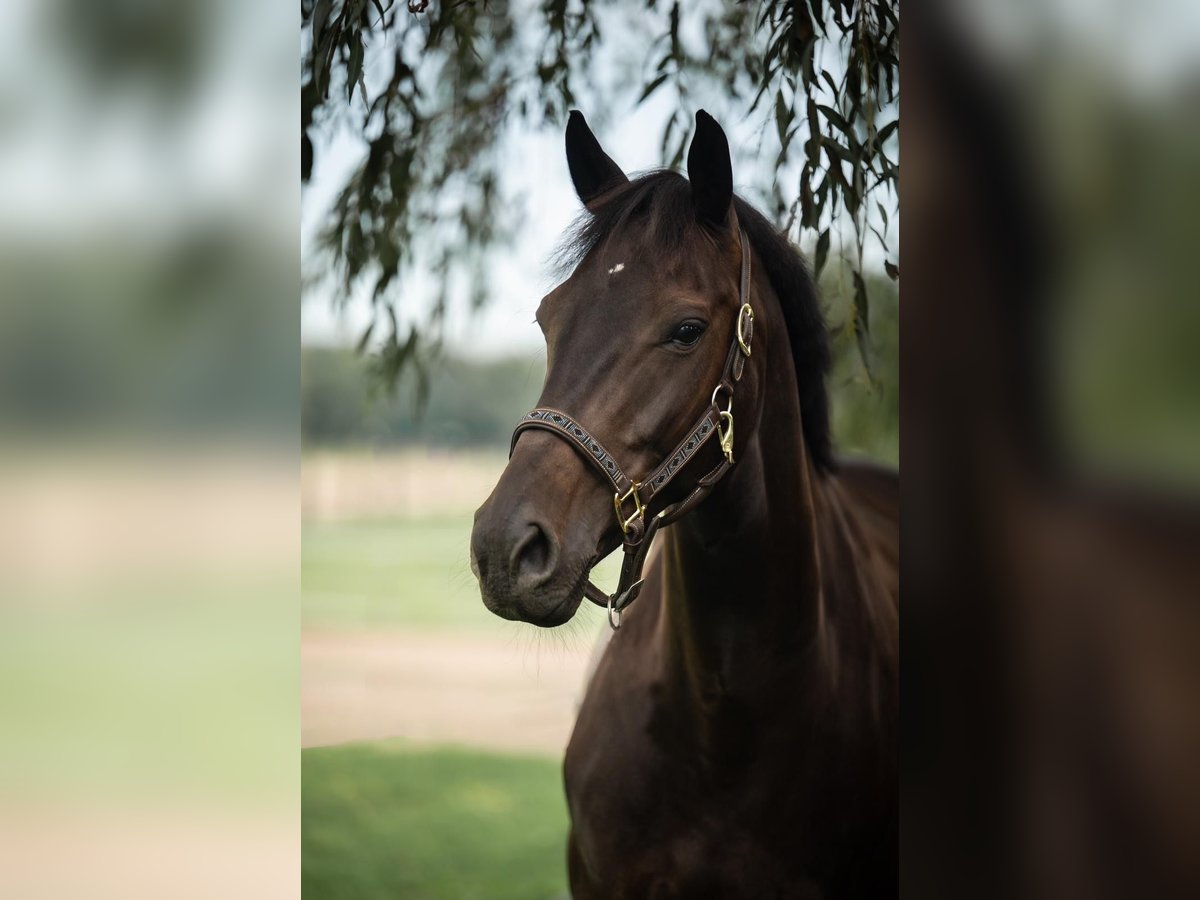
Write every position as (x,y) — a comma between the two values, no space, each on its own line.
(385,820)
(391,572)
(398,572)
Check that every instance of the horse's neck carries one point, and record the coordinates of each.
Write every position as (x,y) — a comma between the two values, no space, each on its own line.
(742,579)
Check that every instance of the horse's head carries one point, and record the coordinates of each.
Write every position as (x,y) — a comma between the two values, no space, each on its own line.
(636,339)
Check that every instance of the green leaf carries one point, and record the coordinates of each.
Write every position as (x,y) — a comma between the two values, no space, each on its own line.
(783,117)
(812,149)
(818,14)
(821,253)
(320,17)
(833,89)
(862,324)
(886,132)
(322,61)
(862,307)
(354,71)
(836,118)
(653,86)
(837,150)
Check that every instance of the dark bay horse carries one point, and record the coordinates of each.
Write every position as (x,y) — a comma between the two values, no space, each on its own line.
(738,738)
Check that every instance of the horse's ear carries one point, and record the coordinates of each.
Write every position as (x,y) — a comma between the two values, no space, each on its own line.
(592,171)
(710,172)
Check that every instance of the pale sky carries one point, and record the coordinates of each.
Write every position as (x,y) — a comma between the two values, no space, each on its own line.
(520,278)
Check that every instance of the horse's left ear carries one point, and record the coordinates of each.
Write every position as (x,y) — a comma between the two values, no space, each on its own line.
(710,172)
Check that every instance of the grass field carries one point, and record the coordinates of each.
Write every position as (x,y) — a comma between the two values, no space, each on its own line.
(390,820)
(397,820)
(387,572)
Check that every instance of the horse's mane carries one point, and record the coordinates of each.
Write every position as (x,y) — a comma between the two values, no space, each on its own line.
(661,202)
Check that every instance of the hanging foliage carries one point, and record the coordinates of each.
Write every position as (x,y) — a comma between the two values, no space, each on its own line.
(433,86)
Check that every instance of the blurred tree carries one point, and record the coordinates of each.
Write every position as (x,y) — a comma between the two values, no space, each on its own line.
(473,403)
(432,85)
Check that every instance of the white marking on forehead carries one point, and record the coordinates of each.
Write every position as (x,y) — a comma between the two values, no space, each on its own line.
(619,267)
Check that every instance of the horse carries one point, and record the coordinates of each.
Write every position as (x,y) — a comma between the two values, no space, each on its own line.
(738,737)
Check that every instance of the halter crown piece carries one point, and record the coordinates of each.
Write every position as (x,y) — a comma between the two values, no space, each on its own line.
(634,499)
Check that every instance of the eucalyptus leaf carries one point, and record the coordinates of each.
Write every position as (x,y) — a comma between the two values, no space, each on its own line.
(821,253)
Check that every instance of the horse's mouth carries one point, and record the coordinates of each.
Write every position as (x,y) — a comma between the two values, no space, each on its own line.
(558,614)
(561,614)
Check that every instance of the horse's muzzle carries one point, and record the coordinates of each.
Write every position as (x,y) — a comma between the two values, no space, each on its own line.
(536,535)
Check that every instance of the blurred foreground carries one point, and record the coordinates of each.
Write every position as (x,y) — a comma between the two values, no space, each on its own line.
(1051,525)
(148,537)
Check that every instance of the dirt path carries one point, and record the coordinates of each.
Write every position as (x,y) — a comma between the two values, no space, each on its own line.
(474,690)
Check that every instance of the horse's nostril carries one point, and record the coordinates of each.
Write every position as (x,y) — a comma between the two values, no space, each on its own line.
(533,557)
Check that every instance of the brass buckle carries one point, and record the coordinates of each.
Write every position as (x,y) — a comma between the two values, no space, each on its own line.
(725,435)
(745,319)
(619,501)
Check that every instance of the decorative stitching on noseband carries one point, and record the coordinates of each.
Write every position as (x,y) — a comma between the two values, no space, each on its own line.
(580,435)
(683,454)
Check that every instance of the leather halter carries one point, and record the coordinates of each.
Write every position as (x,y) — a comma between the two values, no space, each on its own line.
(633,499)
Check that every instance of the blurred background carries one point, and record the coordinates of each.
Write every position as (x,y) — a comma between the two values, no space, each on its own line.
(437,195)
(149,402)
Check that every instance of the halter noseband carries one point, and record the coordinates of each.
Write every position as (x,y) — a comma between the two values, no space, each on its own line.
(633,498)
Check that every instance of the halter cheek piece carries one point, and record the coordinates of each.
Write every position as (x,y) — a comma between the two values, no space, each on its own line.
(633,499)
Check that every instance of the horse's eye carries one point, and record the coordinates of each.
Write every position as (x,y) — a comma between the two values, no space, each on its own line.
(687,333)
